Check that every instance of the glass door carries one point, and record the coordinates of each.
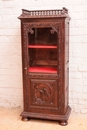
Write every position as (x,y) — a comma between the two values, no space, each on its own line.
(42,50)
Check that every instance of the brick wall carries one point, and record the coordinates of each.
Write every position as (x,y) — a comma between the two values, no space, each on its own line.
(10,50)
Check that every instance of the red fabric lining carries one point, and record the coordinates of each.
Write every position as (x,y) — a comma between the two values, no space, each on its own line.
(41,46)
(42,70)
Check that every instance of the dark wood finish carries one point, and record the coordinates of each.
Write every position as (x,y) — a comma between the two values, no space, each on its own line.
(45,63)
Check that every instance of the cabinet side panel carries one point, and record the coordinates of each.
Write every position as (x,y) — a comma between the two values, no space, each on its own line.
(66,63)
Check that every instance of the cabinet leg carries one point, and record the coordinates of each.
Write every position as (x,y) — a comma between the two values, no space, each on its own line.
(63,123)
(25,118)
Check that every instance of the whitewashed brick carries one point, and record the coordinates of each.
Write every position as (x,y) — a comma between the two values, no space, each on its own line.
(76,82)
(1,32)
(86,16)
(16,11)
(76,31)
(85,59)
(76,110)
(84,111)
(76,46)
(74,60)
(72,24)
(11,101)
(84,39)
(84,74)
(80,8)
(73,68)
(4,25)
(82,68)
(75,101)
(85,87)
(13,58)
(15,25)
(10,18)
(70,53)
(10,52)
(77,53)
(0,18)
(81,102)
(9,4)
(85,103)
(4,39)
(77,16)
(83,96)
(70,88)
(78,39)
(8,71)
(81,106)
(76,75)
(46,3)
(70,101)
(6,11)
(85,31)
(81,23)
(14,39)
(1,4)
(68,2)
(12,32)
(70,95)
(85,46)
(77,89)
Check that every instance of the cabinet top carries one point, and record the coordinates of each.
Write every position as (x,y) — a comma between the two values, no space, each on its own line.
(44,13)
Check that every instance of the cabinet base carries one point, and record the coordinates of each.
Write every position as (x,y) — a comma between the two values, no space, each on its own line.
(63,123)
(25,119)
(61,118)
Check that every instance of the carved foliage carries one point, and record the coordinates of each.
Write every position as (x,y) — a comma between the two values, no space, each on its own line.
(43,92)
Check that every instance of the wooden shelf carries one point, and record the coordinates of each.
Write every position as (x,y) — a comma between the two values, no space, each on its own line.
(42,69)
(41,46)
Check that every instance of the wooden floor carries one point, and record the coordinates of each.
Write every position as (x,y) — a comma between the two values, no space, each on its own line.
(10,120)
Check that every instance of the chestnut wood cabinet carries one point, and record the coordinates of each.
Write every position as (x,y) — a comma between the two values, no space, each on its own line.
(45,63)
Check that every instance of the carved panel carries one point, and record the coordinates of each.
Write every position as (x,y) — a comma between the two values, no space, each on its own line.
(42,92)
(28,26)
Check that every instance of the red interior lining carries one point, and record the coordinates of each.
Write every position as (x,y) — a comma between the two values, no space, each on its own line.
(41,46)
(42,70)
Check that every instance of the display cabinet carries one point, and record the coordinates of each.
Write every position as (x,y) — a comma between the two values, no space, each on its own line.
(45,64)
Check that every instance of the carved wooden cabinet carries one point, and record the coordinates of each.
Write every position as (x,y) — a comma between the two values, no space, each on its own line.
(45,63)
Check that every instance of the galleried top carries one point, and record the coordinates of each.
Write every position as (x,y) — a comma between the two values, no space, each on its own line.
(44,13)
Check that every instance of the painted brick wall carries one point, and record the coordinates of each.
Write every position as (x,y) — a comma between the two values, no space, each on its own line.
(10,50)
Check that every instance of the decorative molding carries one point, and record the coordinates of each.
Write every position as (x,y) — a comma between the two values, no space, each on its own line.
(52,76)
(44,13)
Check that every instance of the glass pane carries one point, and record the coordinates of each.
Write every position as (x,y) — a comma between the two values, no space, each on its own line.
(42,49)
(42,36)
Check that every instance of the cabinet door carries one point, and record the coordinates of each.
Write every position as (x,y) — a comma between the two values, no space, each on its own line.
(43,96)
